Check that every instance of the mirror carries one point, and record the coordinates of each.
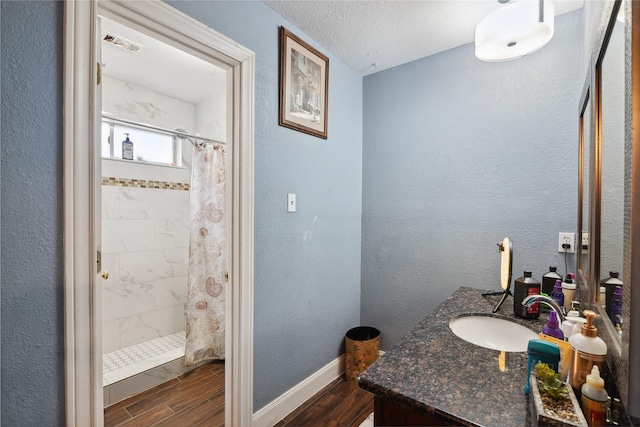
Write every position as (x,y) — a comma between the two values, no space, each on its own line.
(615,190)
(612,142)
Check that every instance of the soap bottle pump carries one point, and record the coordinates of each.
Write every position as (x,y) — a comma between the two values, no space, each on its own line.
(587,349)
(594,399)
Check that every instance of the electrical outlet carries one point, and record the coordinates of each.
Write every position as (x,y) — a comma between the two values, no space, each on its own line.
(585,242)
(567,239)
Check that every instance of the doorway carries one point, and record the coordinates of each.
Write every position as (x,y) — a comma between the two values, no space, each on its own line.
(84,330)
(158,103)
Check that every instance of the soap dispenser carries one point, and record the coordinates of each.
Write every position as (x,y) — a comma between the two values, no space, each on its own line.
(587,350)
(127,148)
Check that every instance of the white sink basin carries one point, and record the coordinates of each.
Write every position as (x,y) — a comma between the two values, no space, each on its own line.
(492,332)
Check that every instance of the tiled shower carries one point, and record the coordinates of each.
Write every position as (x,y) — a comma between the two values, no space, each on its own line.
(146,218)
(145,241)
(145,229)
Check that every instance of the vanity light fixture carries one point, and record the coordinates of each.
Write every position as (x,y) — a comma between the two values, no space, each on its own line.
(517,29)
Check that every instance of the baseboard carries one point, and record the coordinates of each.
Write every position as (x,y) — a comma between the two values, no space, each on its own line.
(296,396)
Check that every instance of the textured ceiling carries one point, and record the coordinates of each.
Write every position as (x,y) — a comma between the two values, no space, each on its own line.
(373,35)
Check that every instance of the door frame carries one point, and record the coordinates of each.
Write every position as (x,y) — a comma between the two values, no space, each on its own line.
(82,310)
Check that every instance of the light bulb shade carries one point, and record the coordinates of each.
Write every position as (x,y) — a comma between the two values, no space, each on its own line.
(514,31)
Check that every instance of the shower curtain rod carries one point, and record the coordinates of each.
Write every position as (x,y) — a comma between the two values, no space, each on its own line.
(158,128)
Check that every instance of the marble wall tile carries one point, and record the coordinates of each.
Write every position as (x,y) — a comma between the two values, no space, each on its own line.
(110,202)
(128,101)
(171,233)
(170,204)
(133,330)
(111,263)
(120,236)
(145,234)
(151,324)
(119,302)
(137,203)
(147,266)
(147,203)
(170,292)
(110,336)
(134,170)
(211,115)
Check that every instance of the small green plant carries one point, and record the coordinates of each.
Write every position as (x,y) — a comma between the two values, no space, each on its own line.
(550,383)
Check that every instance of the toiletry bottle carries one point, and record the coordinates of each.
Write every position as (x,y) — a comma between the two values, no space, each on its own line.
(610,283)
(552,328)
(569,291)
(557,294)
(594,399)
(523,287)
(549,280)
(587,349)
(616,307)
(572,320)
(127,148)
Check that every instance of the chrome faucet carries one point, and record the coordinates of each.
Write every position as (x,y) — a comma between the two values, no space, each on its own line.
(529,300)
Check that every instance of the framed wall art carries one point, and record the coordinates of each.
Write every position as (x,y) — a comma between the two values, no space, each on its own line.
(304,86)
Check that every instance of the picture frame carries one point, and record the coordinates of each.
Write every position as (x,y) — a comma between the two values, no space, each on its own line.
(304,86)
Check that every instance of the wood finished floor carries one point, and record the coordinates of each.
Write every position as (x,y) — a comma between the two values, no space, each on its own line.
(197,399)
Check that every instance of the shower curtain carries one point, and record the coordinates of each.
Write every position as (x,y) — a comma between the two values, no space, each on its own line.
(206,293)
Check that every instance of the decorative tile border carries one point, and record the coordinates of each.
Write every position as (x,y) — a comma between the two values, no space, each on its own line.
(143,183)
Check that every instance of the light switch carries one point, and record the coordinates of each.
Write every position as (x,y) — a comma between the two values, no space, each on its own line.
(291,202)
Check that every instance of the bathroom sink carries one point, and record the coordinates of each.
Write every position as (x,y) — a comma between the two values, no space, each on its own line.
(492,332)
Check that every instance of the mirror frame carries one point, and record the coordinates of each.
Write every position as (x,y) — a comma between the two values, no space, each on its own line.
(605,326)
(585,104)
(623,356)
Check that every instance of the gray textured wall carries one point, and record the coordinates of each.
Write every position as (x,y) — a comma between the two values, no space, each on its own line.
(32,263)
(457,154)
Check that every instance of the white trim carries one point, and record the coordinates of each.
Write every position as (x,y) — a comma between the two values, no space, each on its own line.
(83,389)
(82,334)
(296,396)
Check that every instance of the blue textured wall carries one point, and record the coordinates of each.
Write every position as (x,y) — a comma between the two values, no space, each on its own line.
(457,154)
(307,264)
(32,263)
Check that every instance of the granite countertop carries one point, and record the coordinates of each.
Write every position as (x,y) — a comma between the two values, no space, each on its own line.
(434,373)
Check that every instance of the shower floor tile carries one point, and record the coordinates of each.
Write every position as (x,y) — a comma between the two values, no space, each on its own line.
(130,361)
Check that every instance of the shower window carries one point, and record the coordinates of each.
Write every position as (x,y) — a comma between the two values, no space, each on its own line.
(149,146)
